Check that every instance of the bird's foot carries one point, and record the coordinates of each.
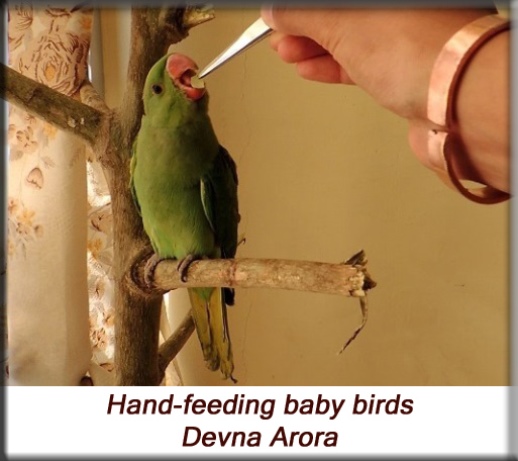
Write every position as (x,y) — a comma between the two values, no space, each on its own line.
(149,269)
(183,266)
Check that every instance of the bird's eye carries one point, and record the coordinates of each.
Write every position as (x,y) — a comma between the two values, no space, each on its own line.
(157,89)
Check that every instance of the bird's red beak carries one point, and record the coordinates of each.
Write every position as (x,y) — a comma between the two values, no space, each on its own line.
(181,69)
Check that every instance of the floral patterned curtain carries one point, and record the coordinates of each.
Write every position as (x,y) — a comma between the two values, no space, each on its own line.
(49,282)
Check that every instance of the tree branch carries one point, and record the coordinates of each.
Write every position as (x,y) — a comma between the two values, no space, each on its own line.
(341,279)
(174,344)
(195,15)
(54,107)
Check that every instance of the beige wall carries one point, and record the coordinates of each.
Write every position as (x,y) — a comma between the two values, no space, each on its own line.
(324,172)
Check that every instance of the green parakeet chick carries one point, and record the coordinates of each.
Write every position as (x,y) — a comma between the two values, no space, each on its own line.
(185,186)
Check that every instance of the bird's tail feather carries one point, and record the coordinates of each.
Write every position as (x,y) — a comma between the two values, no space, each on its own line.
(210,318)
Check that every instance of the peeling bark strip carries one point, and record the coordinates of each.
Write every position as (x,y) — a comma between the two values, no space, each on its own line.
(316,277)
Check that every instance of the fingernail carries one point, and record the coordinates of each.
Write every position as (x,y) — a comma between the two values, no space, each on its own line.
(267,14)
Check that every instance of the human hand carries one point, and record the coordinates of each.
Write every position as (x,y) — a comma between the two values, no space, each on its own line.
(390,54)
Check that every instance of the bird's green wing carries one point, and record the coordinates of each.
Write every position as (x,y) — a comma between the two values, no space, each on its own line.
(219,198)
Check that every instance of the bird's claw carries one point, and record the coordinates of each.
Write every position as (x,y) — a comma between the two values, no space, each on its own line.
(183,266)
(149,270)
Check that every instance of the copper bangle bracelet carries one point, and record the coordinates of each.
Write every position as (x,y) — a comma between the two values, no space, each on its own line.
(444,81)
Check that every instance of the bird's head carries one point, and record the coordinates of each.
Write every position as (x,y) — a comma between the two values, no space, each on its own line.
(172,83)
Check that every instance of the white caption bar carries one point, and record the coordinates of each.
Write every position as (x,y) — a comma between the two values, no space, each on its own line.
(257,420)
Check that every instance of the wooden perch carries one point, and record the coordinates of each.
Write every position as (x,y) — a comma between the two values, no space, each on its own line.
(316,277)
